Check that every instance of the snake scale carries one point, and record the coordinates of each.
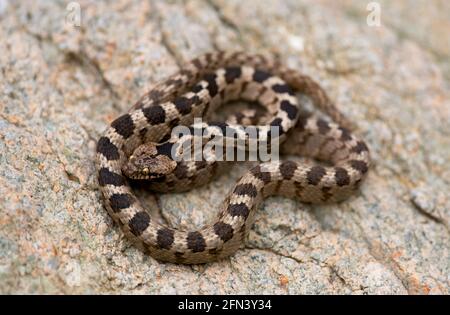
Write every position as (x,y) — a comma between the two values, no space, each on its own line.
(142,137)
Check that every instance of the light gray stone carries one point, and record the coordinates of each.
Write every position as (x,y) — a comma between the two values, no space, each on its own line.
(61,85)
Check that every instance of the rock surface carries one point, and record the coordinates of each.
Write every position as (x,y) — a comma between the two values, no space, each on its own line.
(62,84)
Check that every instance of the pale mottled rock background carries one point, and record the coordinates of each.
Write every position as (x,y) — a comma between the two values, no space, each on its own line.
(61,85)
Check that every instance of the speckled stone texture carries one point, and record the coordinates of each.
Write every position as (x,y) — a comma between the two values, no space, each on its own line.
(62,84)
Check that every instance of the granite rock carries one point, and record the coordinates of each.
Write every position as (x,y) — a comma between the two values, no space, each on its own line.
(62,82)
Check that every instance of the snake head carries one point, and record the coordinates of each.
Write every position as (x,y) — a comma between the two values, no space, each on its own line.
(147,163)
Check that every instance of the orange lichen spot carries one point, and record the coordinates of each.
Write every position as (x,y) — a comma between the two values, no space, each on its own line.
(396,254)
(284,281)
(426,289)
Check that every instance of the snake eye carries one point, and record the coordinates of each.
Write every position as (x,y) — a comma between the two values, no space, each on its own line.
(145,171)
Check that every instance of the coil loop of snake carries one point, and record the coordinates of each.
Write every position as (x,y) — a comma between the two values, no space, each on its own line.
(136,145)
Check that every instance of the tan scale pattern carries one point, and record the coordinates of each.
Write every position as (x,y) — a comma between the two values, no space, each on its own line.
(196,91)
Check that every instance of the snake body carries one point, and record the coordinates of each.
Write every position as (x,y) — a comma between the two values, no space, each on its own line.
(203,84)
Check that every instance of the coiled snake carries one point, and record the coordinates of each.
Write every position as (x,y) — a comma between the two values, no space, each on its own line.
(137,144)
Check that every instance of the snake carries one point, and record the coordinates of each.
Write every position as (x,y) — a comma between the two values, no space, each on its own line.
(138,146)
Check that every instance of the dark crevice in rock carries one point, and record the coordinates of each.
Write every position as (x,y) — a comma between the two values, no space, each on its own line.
(223,19)
(72,177)
(81,59)
(427,214)
(380,255)
(332,270)
(165,39)
(340,278)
